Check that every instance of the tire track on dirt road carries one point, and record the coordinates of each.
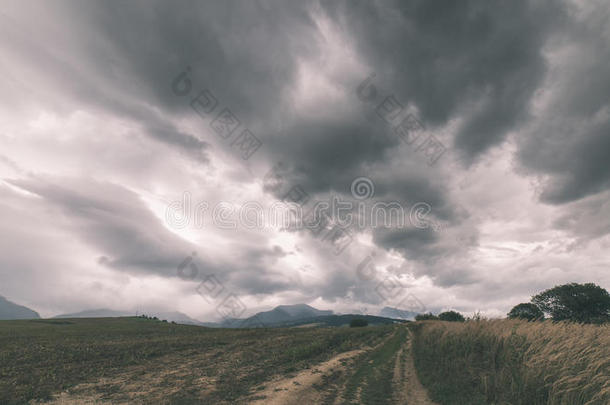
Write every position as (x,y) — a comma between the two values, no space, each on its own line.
(384,374)
(407,387)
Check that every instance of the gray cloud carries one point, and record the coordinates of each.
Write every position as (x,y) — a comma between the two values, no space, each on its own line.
(476,60)
(567,145)
(570,142)
(115,221)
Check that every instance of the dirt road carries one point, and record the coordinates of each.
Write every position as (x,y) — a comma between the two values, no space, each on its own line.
(383,374)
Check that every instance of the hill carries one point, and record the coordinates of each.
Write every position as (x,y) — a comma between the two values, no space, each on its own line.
(342,320)
(338,320)
(174,316)
(95,313)
(326,321)
(283,314)
(396,313)
(279,315)
(10,310)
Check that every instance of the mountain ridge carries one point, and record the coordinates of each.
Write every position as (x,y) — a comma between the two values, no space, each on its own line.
(395,313)
(10,310)
(171,316)
(281,315)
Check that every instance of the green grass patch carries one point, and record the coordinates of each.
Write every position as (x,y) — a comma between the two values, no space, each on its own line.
(374,373)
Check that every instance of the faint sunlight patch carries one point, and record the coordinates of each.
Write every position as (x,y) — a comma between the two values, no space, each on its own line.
(21,191)
(322,79)
(159,208)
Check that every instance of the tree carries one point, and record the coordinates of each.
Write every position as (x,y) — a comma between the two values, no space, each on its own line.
(426,317)
(586,303)
(451,316)
(358,322)
(526,310)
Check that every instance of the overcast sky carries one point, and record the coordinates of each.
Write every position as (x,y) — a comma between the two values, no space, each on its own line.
(100,138)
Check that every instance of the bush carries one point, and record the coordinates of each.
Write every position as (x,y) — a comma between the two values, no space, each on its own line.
(426,317)
(358,323)
(451,316)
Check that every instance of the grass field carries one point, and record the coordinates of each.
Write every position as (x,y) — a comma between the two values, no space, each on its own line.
(146,361)
(514,362)
(143,361)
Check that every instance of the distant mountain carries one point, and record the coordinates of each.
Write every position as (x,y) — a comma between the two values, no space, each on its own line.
(396,313)
(337,320)
(299,315)
(302,310)
(302,315)
(10,310)
(284,313)
(278,315)
(175,316)
(96,313)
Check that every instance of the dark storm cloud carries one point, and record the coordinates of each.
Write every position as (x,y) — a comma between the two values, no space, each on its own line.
(588,218)
(322,156)
(416,244)
(247,66)
(477,60)
(244,53)
(570,143)
(581,169)
(253,281)
(255,274)
(412,184)
(444,59)
(327,155)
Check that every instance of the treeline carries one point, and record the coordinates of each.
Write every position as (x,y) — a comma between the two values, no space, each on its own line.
(153,318)
(581,303)
(450,316)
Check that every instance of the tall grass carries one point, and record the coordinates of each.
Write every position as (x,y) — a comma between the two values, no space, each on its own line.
(514,362)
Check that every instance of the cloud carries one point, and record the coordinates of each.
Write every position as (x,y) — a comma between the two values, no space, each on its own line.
(479,61)
(97,142)
(569,140)
(115,221)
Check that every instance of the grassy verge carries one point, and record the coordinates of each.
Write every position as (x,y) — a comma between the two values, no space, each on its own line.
(513,362)
(41,357)
(374,372)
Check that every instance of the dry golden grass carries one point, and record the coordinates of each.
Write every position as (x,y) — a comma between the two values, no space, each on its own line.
(516,362)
